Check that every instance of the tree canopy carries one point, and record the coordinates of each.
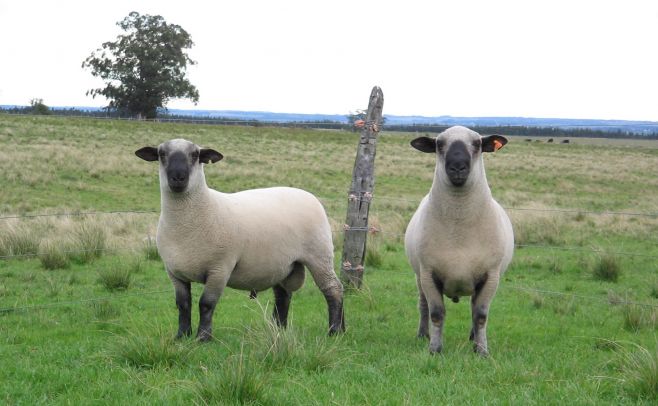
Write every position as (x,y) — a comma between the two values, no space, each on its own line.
(145,67)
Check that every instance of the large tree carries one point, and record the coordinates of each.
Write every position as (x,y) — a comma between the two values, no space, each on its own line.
(145,67)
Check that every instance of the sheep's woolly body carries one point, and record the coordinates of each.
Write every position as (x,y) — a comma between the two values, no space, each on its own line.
(253,236)
(251,240)
(459,242)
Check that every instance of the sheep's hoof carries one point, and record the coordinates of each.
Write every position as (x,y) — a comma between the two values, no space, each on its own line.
(422,335)
(183,334)
(204,336)
(435,348)
(334,331)
(483,352)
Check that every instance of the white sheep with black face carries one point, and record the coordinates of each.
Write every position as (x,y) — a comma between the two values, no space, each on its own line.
(251,240)
(460,240)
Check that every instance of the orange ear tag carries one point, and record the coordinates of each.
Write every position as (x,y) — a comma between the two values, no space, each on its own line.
(497,145)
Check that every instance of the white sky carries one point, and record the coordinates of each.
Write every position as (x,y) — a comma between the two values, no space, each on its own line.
(569,59)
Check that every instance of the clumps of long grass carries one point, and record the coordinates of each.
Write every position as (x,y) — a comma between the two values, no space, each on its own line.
(637,317)
(278,347)
(539,228)
(607,268)
(117,275)
(240,381)
(654,290)
(18,241)
(54,254)
(150,249)
(638,367)
(150,349)
(89,242)
(374,255)
(104,310)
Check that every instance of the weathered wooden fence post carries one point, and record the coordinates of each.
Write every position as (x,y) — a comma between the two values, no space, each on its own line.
(360,193)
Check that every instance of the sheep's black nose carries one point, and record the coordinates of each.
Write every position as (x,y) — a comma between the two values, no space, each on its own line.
(458,166)
(179,177)
(458,163)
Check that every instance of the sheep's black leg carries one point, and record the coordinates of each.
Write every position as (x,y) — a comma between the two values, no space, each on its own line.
(281,304)
(433,291)
(335,307)
(484,293)
(215,283)
(206,310)
(423,309)
(184,304)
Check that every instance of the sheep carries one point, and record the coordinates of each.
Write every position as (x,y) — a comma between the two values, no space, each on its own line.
(460,240)
(250,240)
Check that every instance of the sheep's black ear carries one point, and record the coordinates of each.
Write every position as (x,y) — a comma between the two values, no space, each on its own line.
(493,143)
(147,153)
(207,156)
(424,144)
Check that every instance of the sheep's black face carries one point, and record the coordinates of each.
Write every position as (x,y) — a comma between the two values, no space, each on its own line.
(178,171)
(458,163)
(180,163)
(458,151)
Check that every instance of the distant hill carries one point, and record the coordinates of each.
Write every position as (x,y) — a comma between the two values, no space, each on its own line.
(625,126)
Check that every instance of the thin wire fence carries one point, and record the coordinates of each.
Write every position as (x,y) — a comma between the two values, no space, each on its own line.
(579,296)
(369,199)
(77,302)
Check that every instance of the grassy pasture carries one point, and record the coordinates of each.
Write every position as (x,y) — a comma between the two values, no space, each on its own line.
(562,329)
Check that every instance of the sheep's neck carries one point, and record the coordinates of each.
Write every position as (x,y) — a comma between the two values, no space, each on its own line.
(461,205)
(188,208)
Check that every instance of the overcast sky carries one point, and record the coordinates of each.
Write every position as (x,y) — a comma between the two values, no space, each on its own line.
(569,59)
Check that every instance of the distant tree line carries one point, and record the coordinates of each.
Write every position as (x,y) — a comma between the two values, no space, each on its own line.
(37,107)
(528,131)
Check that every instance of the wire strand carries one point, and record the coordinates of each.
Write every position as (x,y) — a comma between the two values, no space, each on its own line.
(575,295)
(75,302)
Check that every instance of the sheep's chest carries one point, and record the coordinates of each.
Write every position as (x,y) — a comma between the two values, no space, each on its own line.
(189,258)
(459,261)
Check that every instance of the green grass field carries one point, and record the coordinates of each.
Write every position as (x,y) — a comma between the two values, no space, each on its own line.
(90,319)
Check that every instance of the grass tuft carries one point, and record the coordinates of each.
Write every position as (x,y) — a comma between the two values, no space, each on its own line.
(607,268)
(116,276)
(90,242)
(104,310)
(149,349)
(151,249)
(239,382)
(639,369)
(15,241)
(54,255)
(374,256)
(278,348)
(637,317)
(654,290)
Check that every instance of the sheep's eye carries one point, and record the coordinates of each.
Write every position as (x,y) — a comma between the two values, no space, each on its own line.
(440,145)
(195,155)
(161,154)
(477,145)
